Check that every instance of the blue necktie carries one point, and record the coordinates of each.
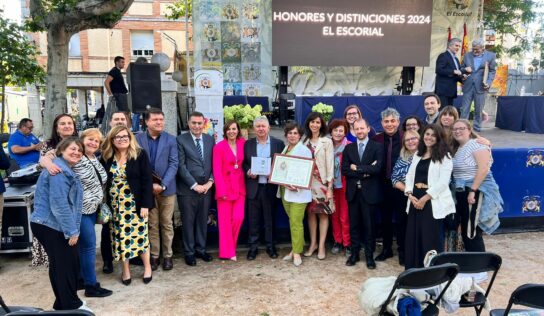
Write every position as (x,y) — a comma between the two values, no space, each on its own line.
(199,148)
(361,150)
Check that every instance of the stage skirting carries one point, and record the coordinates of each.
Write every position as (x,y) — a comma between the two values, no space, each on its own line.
(243,99)
(521,114)
(371,106)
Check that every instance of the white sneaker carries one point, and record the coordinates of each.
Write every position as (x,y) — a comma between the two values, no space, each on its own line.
(85,307)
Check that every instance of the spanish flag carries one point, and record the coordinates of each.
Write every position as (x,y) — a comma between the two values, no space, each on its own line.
(464,49)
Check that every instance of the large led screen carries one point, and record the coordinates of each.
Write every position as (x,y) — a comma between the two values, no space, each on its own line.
(351,32)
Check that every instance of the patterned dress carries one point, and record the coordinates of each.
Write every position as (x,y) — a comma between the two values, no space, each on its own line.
(319,192)
(129,232)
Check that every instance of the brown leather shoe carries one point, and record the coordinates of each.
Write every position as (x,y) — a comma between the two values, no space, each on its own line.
(167,264)
(154,263)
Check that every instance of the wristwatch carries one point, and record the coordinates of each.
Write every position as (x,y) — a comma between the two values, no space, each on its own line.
(471,190)
(163,187)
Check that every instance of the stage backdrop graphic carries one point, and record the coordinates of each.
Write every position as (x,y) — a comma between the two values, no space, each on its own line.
(351,32)
(209,100)
(233,37)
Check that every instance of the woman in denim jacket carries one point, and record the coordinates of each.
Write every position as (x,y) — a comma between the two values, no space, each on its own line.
(56,220)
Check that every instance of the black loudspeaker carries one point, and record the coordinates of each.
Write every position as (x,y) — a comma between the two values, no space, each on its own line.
(283,75)
(408,76)
(144,86)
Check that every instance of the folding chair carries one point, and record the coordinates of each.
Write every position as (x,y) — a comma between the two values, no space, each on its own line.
(32,311)
(422,278)
(530,295)
(472,262)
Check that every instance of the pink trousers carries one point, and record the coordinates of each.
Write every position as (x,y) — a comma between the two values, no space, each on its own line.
(230,219)
(340,218)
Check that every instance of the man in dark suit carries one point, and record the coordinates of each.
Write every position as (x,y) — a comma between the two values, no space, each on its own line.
(361,165)
(392,206)
(448,73)
(195,180)
(261,195)
(162,151)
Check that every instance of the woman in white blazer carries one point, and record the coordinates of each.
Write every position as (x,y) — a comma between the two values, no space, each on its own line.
(322,204)
(429,196)
(294,199)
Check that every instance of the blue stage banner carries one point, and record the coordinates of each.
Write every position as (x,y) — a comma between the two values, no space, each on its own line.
(519,173)
(371,106)
(521,114)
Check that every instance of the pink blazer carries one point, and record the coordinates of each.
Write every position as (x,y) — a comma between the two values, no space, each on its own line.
(229,180)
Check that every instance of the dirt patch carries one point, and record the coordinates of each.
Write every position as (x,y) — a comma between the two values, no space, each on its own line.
(260,287)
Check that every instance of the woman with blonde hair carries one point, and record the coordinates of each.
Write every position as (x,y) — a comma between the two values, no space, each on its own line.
(129,192)
(93,178)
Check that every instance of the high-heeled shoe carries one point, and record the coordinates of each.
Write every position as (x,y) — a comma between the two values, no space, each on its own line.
(147,280)
(321,256)
(126,281)
(310,252)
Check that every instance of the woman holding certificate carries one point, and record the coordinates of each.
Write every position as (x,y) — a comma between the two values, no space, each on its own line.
(295,199)
(230,189)
(322,204)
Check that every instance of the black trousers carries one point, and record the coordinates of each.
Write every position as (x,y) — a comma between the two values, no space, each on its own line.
(467,216)
(194,218)
(105,244)
(361,221)
(63,266)
(121,101)
(445,101)
(263,205)
(394,205)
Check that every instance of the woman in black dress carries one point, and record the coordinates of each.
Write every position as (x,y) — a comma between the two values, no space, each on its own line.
(429,196)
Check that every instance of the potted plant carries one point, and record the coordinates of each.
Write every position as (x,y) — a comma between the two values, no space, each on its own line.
(325,110)
(243,114)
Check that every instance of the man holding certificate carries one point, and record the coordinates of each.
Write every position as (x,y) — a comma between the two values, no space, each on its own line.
(260,194)
(479,68)
(361,165)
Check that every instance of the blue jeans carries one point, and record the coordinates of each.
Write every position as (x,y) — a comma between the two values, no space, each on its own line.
(87,249)
(136,122)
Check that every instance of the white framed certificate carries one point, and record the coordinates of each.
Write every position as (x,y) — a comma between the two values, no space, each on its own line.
(260,166)
(292,170)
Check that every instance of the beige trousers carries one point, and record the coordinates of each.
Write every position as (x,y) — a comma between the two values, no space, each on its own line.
(161,221)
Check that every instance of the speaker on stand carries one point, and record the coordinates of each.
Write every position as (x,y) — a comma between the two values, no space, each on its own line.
(282,89)
(144,85)
(408,77)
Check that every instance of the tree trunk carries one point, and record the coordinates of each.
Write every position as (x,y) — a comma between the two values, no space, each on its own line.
(58,40)
(3,105)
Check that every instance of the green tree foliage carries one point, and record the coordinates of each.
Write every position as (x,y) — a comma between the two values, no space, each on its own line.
(178,9)
(509,17)
(61,19)
(18,65)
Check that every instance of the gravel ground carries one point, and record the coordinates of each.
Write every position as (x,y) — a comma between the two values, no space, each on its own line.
(260,287)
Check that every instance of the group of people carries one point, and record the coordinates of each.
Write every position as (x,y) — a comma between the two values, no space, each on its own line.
(416,180)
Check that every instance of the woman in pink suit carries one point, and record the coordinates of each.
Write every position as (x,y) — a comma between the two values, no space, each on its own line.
(230,189)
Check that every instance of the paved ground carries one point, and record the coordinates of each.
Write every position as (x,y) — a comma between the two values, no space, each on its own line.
(260,287)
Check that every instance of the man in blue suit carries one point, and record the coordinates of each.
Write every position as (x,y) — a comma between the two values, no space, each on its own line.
(448,73)
(474,89)
(162,151)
